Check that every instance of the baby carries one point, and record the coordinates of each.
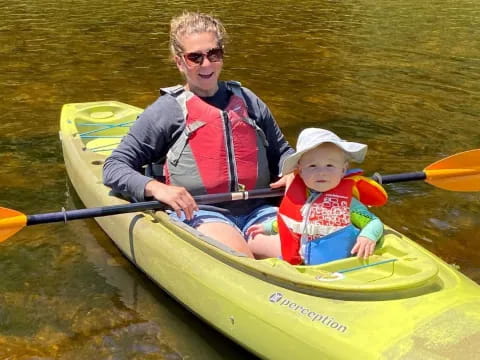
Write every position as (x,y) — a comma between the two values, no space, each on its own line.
(322,218)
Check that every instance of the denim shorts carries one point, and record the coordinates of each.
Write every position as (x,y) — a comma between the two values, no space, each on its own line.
(240,222)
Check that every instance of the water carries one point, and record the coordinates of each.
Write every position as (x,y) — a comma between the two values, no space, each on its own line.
(402,76)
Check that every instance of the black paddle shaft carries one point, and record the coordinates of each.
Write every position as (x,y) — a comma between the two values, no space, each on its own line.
(66,215)
(388,179)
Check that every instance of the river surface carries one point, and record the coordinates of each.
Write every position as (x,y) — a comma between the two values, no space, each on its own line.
(402,76)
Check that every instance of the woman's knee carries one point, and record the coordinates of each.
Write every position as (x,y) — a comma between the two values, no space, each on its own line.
(265,246)
(226,234)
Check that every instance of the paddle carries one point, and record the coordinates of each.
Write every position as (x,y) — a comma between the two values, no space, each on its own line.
(459,172)
(12,221)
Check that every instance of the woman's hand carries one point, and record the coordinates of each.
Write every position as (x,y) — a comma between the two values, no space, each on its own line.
(177,197)
(364,247)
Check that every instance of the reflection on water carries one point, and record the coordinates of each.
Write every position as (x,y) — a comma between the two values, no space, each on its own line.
(402,76)
(67,291)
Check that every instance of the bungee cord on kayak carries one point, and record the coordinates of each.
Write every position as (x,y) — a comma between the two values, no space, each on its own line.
(127,124)
(109,146)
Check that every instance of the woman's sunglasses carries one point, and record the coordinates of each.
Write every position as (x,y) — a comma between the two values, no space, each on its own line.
(196,58)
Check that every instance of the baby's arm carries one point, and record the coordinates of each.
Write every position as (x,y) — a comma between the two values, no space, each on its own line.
(371,229)
(267,228)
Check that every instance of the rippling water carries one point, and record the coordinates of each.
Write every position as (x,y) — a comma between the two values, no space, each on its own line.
(402,76)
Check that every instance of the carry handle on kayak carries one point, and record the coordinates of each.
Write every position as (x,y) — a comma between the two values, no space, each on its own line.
(459,172)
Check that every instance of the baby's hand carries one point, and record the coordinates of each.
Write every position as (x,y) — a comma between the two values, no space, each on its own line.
(364,247)
(254,230)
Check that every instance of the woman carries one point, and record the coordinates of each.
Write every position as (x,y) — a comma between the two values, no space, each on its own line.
(213,137)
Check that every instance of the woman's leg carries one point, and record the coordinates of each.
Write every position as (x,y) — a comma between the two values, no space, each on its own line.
(226,234)
(218,226)
(265,246)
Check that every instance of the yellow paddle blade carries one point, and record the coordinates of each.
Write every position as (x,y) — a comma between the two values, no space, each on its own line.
(11,222)
(459,172)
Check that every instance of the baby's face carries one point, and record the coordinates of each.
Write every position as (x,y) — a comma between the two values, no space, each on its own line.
(323,168)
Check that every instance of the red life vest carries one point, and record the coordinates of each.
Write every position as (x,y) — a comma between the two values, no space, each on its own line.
(327,213)
(219,150)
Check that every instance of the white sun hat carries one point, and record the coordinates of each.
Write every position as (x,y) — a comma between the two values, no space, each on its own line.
(312,137)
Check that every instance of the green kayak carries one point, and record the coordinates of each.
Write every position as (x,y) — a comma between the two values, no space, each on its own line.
(402,303)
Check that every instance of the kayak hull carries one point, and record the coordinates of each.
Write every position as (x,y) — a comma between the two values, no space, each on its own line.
(411,305)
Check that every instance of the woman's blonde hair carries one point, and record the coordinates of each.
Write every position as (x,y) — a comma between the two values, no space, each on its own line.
(193,23)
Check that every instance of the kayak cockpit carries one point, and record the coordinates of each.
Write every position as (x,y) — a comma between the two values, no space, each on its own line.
(398,268)
(395,267)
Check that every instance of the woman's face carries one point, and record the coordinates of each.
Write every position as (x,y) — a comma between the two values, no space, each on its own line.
(202,78)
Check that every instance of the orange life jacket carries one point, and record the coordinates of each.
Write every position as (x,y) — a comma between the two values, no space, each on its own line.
(327,213)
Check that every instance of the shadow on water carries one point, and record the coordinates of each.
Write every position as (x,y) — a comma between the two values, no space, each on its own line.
(189,336)
(84,300)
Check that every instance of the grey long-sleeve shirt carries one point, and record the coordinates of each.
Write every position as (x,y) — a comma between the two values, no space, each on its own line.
(159,126)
